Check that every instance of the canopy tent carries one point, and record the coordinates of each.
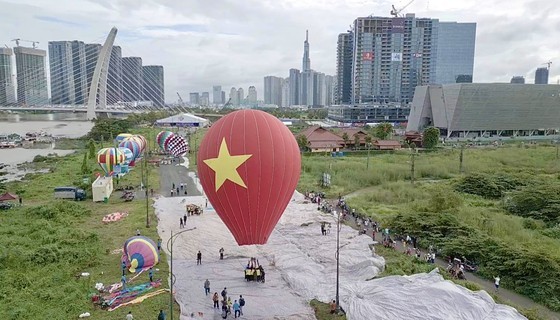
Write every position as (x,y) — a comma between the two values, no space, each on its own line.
(8,197)
(183,120)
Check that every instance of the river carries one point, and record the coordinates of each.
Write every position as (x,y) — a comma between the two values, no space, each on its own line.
(71,125)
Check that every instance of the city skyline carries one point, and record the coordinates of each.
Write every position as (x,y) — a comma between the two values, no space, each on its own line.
(235,46)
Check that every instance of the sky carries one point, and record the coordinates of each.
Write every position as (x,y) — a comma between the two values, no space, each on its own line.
(235,43)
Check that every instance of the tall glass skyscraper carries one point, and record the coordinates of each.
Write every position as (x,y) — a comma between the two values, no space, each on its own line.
(7,93)
(32,87)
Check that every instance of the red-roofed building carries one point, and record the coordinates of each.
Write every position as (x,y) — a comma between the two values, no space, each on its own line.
(322,140)
(386,145)
(352,133)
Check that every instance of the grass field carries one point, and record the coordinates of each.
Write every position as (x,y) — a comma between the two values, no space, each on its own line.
(48,243)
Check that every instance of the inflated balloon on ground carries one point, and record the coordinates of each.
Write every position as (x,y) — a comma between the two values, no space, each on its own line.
(249,166)
(108,158)
(161,137)
(140,253)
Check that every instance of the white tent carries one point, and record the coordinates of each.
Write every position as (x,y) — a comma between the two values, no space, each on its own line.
(183,120)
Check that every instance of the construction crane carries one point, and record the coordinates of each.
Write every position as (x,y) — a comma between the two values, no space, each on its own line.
(35,43)
(395,12)
(548,64)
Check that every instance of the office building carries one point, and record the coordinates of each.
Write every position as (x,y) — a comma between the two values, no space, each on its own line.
(306,64)
(7,88)
(285,93)
(92,55)
(217,95)
(294,87)
(153,85)
(132,79)
(541,76)
(319,89)
(391,56)
(240,97)
(369,113)
(344,57)
(205,99)
(306,88)
(330,88)
(61,73)
(252,97)
(472,110)
(31,76)
(223,96)
(194,98)
(233,97)
(273,90)
(115,89)
(517,80)
(79,71)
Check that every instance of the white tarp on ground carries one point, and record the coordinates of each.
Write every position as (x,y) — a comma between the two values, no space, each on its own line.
(300,265)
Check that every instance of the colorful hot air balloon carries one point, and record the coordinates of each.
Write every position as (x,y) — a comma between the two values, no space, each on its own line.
(108,158)
(161,137)
(132,145)
(122,136)
(142,141)
(176,145)
(249,165)
(140,253)
(128,154)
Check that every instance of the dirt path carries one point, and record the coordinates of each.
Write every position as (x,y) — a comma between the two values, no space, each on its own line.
(505,295)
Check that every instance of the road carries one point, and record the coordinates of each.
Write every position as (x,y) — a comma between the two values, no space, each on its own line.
(505,295)
(176,173)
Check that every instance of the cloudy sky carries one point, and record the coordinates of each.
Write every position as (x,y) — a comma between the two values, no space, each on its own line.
(237,42)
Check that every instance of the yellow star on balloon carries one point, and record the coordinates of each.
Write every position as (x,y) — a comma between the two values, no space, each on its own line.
(225,166)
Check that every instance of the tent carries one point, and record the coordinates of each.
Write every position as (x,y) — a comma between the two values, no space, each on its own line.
(8,197)
(183,120)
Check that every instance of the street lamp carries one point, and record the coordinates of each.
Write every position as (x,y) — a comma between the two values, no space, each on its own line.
(171,276)
(337,259)
(368,147)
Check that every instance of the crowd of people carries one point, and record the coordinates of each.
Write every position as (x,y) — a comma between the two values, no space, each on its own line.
(254,271)
(177,190)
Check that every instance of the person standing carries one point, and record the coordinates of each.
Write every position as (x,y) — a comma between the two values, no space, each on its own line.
(236,311)
(185,219)
(137,232)
(172,191)
(123,282)
(161,315)
(221,253)
(177,190)
(123,267)
(129,316)
(216,300)
(497,283)
(241,304)
(173,186)
(151,274)
(159,244)
(207,287)
(198,258)
(333,307)
(224,294)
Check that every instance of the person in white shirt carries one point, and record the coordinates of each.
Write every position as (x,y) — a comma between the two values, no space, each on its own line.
(497,283)
(129,316)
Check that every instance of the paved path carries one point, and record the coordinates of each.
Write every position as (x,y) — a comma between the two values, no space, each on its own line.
(505,295)
(175,173)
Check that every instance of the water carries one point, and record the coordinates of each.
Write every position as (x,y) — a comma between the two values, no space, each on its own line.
(71,125)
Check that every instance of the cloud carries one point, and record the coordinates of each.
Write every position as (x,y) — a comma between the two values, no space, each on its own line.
(236,43)
(57,20)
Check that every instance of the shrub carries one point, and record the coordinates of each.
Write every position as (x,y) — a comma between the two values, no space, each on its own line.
(430,138)
(58,210)
(480,185)
(541,202)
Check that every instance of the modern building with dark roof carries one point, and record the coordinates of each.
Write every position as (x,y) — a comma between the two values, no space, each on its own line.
(487,109)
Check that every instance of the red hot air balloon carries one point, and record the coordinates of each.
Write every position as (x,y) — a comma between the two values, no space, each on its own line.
(249,167)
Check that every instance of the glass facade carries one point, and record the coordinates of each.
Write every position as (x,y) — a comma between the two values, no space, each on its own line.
(7,93)
(31,76)
(369,113)
(455,52)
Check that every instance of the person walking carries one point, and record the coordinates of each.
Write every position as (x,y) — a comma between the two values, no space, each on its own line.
(207,286)
(177,190)
(151,274)
(216,300)
(181,225)
(161,315)
(241,304)
(185,219)
(236,310)
(198,258)
(221,253)
(224,294)
(159,244)
(173,186)
(172,192)
(123,282)
(123,267)
(129,316)
(497,283)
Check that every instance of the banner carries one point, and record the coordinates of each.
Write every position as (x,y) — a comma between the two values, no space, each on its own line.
(396,56)
(367,56)
(417,55)
(398,25)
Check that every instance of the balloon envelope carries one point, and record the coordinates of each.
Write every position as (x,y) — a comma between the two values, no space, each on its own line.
(122,136)
(249,165)
(140,253)
(161,137)
(176,145)
(132,145)
(108,158)
(142,141)
(128,154)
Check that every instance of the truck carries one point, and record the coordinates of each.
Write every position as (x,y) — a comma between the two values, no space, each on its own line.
(73,193)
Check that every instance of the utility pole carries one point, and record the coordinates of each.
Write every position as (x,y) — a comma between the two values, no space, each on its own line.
(412,156)
(147,168)
(368,147)
(171,276)
(461,158)
(337,259)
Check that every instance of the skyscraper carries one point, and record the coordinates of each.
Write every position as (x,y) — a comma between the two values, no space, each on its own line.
(79,73)
(306,66)
(153,85)
(61,72)
(240,96)
(252,97)
(273,90)
(391,56)
(223,96)
(294,87)
(132,79)
(541,76)
(217,95)
(344,54)
(233,97)
(205,99)
(285,93)
(7,89)
(319,89)
(115,76)
(306,86)
(517,80)
(92,55)
(31,76)
(330,85)
(194,98)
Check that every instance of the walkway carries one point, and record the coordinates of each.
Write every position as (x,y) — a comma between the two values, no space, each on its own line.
(507,296)
(175,173)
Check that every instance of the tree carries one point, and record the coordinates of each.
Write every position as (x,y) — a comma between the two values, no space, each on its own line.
(368,139)
(383,130)
(430,138)
(85,167)
(302,142)
(356,141)
(345,138)
(104,129)
(91,152)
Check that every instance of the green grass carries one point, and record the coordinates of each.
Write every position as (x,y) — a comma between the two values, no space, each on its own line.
(323,311)
(42,255)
